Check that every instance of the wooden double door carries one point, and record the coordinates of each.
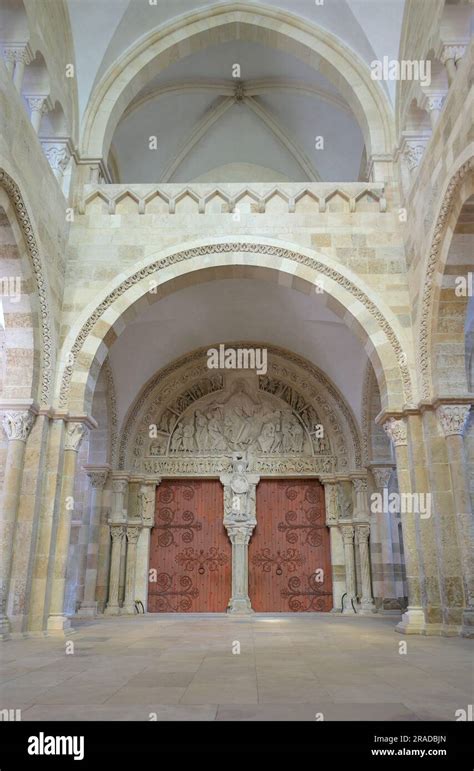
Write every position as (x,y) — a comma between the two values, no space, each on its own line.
(191,556)
(289,553)
(190,552)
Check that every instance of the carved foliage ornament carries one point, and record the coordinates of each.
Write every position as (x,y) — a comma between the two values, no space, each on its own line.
(453,418)
(75,433)
(396,430)
(245,247)
(17,425)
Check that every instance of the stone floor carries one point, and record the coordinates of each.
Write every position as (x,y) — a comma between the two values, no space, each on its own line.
(181,667)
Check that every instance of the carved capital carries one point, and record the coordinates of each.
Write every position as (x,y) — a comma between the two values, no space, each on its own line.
(18,52)
(117,533)
(17,425)
(39,104)
(97,478)
(396,430)
(454,52)
(435,102)
(133,534)
(240,534)
(413,153)
(363,532)
(360,485)
(347,534)
(453,418)
(382,477)
(75,433)
(57,154)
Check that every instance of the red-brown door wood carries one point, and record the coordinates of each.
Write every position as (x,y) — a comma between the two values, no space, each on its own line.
(190,551)
(289,552)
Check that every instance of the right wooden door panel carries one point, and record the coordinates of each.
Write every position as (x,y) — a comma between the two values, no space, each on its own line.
(289,552)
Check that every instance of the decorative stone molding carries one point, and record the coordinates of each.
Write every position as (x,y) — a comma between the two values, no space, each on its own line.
(45,322)
(453,418)
(243,247)
(396,430)
(75,433)
(18,425)
(112,413)
(437,241)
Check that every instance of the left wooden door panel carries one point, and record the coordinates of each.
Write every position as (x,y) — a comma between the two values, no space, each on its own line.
(190,552)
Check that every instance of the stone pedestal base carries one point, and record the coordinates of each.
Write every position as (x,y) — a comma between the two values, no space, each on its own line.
(467,629)
(367,608)
(348,610)
(413,622)
(112,610)
(127,610)
(4,630)
(240,607)
(59,625)
(87,610)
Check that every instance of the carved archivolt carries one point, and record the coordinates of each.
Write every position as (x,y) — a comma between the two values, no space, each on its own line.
(14,194)
(250,248)
(425,351)
(190,419)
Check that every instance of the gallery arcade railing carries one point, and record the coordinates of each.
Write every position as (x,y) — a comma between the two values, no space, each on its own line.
(233,198)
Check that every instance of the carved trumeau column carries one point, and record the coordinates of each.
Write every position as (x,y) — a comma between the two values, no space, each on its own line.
(453,419)
(413,620)
(97,479)
(75,432)
(133,533)
(348,540)
(367,601)
(239,521)
(17,425)
(117,533)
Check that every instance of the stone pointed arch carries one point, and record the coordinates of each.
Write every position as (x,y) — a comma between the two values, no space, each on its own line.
(89,340)
(198,30)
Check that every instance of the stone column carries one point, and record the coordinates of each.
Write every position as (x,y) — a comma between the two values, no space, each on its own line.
(133,533)
(146,512)
(382,533)
(97,479)
(17,425)
(17,56)
(57,621)
(453,419)
(117,533)
(367,601)
(38,105)
(239,520)
(337,549)
(413,620)
(347,531)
